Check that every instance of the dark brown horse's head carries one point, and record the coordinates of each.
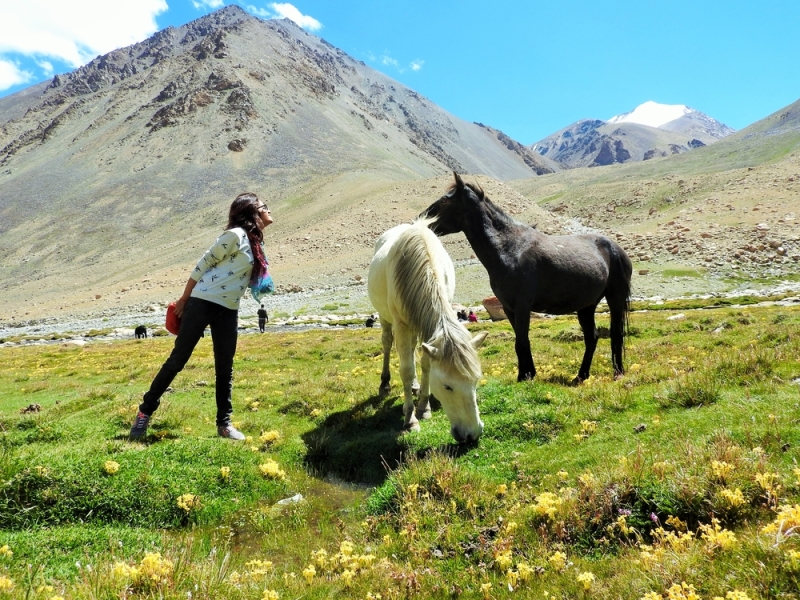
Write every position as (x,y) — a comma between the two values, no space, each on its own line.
(451,209)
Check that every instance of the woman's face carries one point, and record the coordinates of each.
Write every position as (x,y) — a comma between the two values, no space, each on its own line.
(263,216)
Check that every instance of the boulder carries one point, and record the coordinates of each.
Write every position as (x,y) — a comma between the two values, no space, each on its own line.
(494,308)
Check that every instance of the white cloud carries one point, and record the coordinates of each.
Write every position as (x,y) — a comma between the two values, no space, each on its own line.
(416,65)
(288,11)
(389,61)
(208,4)
(11,74)
(74,32)
(46,66)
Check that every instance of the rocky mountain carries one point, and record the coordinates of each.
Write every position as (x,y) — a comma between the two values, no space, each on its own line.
(651,130)
(133,159)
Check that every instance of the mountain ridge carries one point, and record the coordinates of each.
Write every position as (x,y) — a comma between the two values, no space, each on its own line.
(649,131)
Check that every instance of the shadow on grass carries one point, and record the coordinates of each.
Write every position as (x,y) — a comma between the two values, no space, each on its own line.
(364,443)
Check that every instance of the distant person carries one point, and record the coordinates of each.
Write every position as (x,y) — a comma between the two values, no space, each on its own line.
(462,315)
(263,318)
(140,332)
(211,297)
(472,318)
(370,322)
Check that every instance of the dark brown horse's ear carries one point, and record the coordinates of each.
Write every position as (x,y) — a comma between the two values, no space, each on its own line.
(459,182)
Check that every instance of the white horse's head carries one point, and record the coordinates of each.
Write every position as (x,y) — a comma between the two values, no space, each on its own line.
(456,387)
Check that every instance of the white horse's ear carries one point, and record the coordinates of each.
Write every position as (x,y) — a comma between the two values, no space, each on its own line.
(431,351)
(478,340)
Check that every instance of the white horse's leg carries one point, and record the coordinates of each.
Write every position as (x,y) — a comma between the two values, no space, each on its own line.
(405,349)
(386,339)
(424,404)
(414,381)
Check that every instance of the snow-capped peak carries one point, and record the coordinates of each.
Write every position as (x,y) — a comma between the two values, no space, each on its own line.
(653,114)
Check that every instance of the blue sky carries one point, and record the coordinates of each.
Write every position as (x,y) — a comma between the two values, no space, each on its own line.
(527,67)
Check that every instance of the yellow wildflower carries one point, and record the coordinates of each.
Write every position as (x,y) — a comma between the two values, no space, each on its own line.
(188,502)
(503,559)
(721,469)
(6,551)
(309,572)
(6,584)
(271,470)
(652,596)
(733,498)
(558,560)
(717,537)
(511,578)
(788,518)
(486,590)
(501,490)
(153,570)
(682,591)
(270,437)
(587,480)
(587,579)
(562,475)
(676,523)
(110,467)
(347,577)
(737,595)
(225,473)
(525,571)
(547,504)
(270,595)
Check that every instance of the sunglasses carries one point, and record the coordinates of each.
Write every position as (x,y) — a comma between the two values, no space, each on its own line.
(262,207)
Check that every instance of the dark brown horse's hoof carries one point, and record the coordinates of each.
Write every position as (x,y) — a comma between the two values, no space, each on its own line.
(384,390)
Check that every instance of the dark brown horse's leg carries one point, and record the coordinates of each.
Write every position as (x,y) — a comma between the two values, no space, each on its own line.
(586,320)
(387,338)
(521,322)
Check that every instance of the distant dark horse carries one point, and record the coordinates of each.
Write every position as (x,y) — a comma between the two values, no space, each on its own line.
(530,271)
(140,332)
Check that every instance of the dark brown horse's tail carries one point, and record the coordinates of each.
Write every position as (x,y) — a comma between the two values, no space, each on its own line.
(618,296)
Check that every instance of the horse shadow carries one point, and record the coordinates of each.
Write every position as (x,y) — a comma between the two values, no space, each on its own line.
(365,443)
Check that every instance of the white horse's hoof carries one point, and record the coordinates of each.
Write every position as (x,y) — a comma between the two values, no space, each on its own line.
(424,415)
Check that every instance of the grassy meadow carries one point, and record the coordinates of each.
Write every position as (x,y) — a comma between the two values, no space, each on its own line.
(678,481)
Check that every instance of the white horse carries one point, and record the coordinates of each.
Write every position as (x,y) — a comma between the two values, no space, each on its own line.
(411,285)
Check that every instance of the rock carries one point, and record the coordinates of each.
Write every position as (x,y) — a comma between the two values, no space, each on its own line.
(639,428)
(678,317)
(494,308)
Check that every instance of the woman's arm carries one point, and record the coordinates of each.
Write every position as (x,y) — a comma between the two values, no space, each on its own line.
(181,302)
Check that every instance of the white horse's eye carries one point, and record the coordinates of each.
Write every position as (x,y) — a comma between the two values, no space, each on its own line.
(448,388)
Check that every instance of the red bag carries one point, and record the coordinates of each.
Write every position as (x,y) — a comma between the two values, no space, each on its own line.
(173,323)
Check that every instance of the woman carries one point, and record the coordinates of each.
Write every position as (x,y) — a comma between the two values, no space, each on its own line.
(211,298)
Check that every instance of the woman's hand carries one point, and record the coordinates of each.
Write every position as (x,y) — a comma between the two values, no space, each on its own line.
(180,303)
(187,292)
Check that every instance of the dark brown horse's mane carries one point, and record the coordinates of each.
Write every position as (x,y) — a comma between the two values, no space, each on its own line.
(473,186)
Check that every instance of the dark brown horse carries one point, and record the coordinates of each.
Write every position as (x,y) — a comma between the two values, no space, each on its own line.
(530,271)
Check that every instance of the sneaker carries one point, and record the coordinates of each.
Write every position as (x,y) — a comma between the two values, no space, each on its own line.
(230,432)
(140,423)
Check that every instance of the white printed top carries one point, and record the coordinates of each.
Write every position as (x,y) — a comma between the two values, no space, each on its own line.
(223,272)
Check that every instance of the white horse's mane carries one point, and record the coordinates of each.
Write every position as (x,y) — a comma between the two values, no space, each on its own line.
(419,280)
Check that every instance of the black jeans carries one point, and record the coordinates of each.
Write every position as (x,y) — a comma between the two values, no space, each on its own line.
(224,323)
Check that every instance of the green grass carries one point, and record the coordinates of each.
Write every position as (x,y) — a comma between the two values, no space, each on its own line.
(640,482)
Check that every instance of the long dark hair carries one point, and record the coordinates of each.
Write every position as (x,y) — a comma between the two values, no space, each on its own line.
(243,214)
